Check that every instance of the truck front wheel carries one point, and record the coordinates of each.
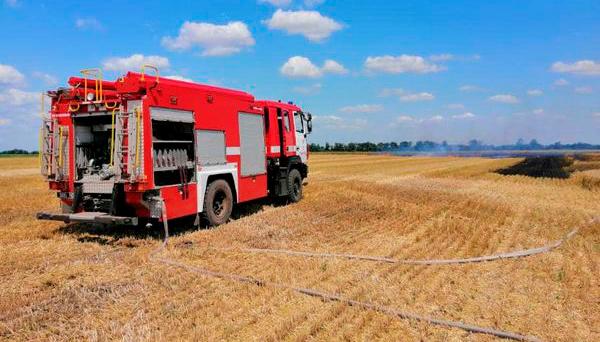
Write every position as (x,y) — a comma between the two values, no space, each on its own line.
(218,202)
(294,184)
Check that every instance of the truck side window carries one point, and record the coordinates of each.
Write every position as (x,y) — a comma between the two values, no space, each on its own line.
(298,122)
(286,120)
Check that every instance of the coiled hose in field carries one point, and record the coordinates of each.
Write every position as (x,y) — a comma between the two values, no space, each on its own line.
(365,305)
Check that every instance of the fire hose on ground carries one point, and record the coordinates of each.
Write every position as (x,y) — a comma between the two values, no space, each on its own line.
(484,258)
(154,256)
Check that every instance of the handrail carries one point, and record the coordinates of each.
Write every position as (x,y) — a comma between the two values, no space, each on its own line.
(60,138)
(137,137)
(112,138)
(114,104)
(42,105)
(97,73)
(149,67)
(71,109)
(41,146)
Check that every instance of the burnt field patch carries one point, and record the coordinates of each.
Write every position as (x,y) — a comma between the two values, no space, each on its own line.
(546,167)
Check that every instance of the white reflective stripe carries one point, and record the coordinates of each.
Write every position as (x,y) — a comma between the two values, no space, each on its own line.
(232,151)
(275,149)
(291,148)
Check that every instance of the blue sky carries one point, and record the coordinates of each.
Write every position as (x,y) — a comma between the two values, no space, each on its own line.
(368,70)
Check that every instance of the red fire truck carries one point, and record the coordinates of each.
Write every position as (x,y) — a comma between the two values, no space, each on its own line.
(122,152)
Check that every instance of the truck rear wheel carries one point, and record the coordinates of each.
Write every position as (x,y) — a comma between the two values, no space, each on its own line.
(294,186)
(218,202)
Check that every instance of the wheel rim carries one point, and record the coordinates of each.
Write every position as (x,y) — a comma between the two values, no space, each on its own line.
(219,203)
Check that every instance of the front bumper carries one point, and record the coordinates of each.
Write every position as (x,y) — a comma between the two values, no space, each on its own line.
(89,217)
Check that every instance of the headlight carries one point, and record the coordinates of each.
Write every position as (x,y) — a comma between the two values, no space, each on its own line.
(90,96)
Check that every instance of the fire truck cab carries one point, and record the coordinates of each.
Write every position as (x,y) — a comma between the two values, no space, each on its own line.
(147,148)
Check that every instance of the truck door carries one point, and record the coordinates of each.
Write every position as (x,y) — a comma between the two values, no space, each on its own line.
(300,132)
(288,143)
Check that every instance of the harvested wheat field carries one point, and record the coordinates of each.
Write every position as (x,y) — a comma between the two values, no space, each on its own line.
(75,282)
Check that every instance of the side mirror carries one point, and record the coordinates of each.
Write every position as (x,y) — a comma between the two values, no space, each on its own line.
(309,122)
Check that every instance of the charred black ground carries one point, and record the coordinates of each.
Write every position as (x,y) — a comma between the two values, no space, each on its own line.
(547,166)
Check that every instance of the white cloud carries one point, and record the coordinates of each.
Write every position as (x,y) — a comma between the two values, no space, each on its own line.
(276,3)
(338,123)
(333,67)
(391,92)
(308,90)
(596,115)
(417,97)
(584,90)
(406,119)
(538,111)
(469,88)
(288,3)
(441,57)
(46,78)
(401,64)
(134,62)
(215,40)
(456,106)
(88,23)
(464,116)
(444,57)
(4,122)
(299,66)
(311,24)
(11,3)
(17,97)
(535,92)
(10,75)
(505,98)
(584,67)
(179,78)
(313,3)
(437,118)
(406,96)
(561,82)
(362,108)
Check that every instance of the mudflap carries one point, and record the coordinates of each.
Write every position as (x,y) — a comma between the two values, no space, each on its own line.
(89,217)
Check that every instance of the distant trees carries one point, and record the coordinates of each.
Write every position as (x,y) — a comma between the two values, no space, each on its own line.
(419,146)
(17,151)
(431,146)
(350,147)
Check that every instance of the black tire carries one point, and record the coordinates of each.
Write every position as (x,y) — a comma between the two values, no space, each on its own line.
(218,203)
(294,184)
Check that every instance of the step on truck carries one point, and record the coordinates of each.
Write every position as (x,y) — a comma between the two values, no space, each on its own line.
(145,148)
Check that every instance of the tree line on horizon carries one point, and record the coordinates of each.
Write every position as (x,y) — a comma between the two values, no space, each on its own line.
(18,151)
(418,146)
(432,146)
